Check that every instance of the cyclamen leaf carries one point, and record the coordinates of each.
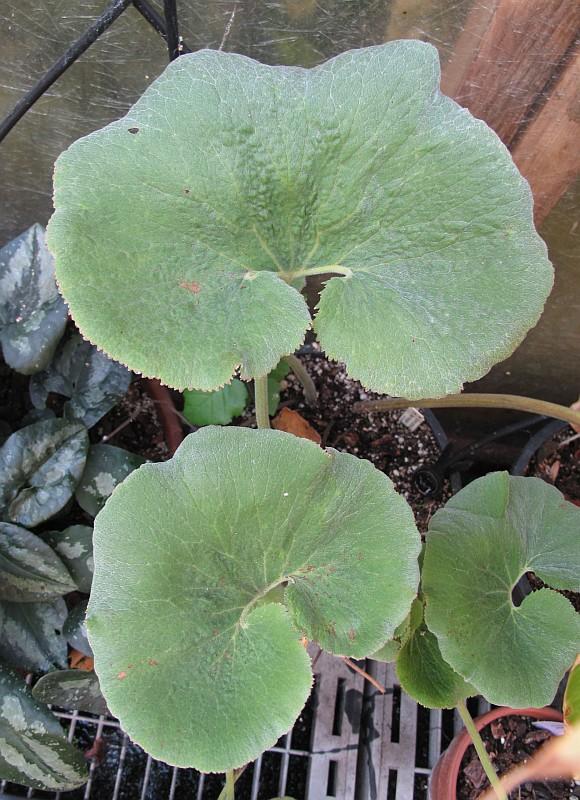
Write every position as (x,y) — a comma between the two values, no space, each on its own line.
(31,635)
(40,466)
(250,176)
(478,546)
(75,629)
(106,467)
(187,553)
(93,382)
(216,408)
(71,689)
(34,750)
(75,546)
(30,570)
(32,313)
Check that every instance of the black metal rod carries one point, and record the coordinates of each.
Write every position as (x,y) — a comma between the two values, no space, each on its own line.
(69,57)
(170,11)
(156,21)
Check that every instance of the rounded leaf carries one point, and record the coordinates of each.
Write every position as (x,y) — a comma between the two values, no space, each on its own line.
(75,546)
(40,466)
(249,177)
(31,635)
(215,408)
(35,751)
(32,313)
(478,546)
(30,570)
(106,467)
(187,554)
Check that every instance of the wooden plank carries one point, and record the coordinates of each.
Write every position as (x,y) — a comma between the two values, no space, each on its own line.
(517,47)
(548,152)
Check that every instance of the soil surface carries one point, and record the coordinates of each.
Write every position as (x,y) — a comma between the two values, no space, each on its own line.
(558,462)
(509,741)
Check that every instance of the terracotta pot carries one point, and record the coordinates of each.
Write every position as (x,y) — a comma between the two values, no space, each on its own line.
(443,783)
(167,412)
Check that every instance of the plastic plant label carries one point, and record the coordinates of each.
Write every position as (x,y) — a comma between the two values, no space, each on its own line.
(252,178)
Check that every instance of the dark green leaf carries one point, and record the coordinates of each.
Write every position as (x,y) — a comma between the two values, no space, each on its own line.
(34,750)
(478,546)
(32,313)
(250,177)
(40,466)
(187,554)
(31,635)
(106,467)
(88,377)
(30,570)
(75,546)
(75,629)
(216,408)
(72,689)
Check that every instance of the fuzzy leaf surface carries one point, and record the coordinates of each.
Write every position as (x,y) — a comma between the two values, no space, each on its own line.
(30,570)
(106,467)
(71,689)
(31,635)
(75,547)
(90,379)
(34,750)
(185,554)
(32,313)
(216,408)
(245,176)
(478,546)
(40,466)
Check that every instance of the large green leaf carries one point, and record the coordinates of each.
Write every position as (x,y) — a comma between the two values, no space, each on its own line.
(33,747)
(31,635)
(571,706)
(215,408)
(75,546)
(30,570)
(180,229)
(40,466)
(88,377)
(478,546)
(32,313)
(106,467)
(187,554)
(72,689)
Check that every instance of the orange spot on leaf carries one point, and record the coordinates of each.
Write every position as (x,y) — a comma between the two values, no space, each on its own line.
(191,286)
(122,675)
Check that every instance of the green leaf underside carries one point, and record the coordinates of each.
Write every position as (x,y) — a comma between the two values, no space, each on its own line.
(423,673)
(75,547)
(92,382)
(40,466)
(185,550)
(31,635)
(30,570)
(71,689)
(32,313)
(478,546)
(106,467)
(215,408)
(179,228)
(34,750)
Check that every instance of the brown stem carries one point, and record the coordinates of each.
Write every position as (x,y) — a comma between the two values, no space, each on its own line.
(365,674)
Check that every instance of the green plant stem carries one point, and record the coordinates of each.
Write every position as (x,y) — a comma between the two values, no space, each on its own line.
(475,400)
(480,750)
(261,393)
(229,790)
(327,269)
(298,368)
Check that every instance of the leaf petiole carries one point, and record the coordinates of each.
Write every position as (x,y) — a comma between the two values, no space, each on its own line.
(480,750)
(261,394)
